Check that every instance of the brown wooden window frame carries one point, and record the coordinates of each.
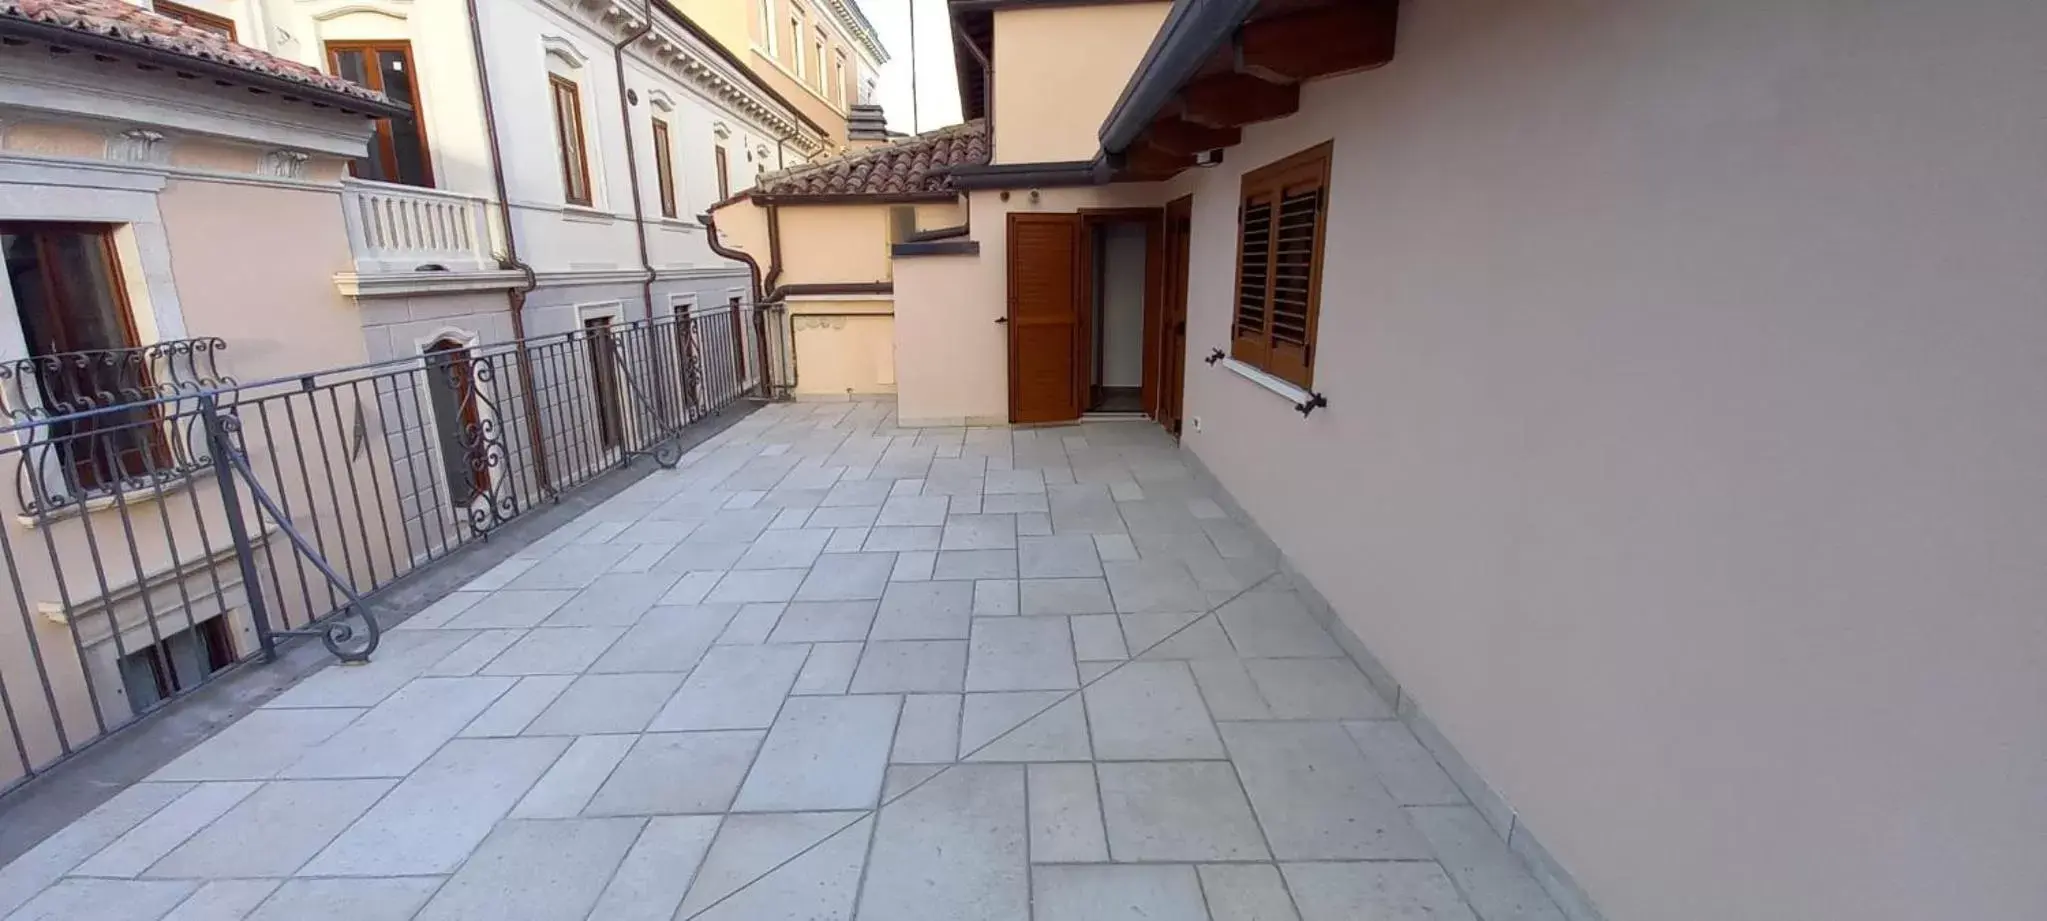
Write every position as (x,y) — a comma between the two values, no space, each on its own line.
(564,94)
(664,168)
(383,145)
(211,22)
(1282,344)
(724,173)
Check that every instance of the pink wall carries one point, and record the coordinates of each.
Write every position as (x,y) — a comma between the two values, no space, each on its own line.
(1684,457)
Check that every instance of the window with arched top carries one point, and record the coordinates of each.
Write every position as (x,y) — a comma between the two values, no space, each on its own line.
(458,423)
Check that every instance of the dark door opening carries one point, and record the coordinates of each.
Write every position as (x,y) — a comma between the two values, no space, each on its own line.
(1119,253)
(604,381)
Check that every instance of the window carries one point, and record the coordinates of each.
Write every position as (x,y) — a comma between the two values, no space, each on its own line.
(818,46)
(398,153)
(796,41)
(160,671)
(604,381)
(1281,218)
(69,294)
(199,19)
(839,78)
(764,23)
(568,138)
(664,168)
(451,390)
(724,174)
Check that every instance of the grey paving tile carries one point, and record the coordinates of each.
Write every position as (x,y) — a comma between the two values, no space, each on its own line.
(1150,711)
(975,564)
(857,493)
(440,612)
(1098,637)
(1275,625)
(930,730)
(1246,892)
(1148,586)
(1178,811)
(1315,796)
(471,657)
(1059,556)
(536,869)
(844,516)
(846,540)
(694,586)
(1393,891)
(606,703)
(1084,512)
(224,900)
(667,639)
(995,598)
(749,846)
(259,745)
(1491,878)
(1199,638)
(979,532)
(517,707)
(1406,768)
(1116,893)
(133,852)
(43,864)
(575,566)
(657,872)
(402,732)
(1010,482)
(847,577)
(1229,690)
(1116,548)
(1024,726)
(502,574)
(732,526)
(757,585)
(1021,654)
(952,848)
(825,621)
(1017,504)
(924,611)
(566,788)
(914,566)
(901,778)
(105,900)
(829,670)
(913,666)
(823,753)
(401,658)
(912,511)
(273,832)
(555,651)
(752,625)
(818,884)
(1066,596)
(678,773)
(902,538)
(616,599)
(1317,689)
(435,817)
(734,687)
(784,550)
(348,899)
(1065,814)
(1033,524)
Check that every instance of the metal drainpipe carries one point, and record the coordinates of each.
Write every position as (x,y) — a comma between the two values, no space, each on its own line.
(515,298)
(632,154)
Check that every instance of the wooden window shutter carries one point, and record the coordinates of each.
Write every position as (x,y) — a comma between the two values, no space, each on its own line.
(1279,275)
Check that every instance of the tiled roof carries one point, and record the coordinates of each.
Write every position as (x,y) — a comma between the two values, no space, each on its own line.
(123,22)
(916,164)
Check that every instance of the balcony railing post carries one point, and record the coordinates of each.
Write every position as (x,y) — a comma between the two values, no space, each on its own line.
(220,446)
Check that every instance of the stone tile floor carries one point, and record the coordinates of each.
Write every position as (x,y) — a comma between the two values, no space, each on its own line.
(827,669)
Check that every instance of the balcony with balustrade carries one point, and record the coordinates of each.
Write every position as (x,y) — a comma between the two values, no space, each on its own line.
(413,240)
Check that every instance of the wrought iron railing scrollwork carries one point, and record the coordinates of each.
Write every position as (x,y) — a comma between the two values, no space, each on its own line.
(138,579)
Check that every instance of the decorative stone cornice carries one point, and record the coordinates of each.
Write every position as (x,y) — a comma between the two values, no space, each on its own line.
(139,145)
(855,23)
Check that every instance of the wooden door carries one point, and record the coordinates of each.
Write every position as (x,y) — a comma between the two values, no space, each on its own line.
(1045,303)
(1173,332)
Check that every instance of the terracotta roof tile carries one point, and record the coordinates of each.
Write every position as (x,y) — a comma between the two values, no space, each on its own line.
(917,164)
(114,19)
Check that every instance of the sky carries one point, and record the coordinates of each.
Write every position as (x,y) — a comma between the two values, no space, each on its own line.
(937,97)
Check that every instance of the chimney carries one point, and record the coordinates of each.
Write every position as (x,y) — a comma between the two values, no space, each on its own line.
(866,127)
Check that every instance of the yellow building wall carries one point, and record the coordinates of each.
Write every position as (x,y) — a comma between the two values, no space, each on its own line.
(935,215)
(735,25)
(834,244)
(843,348)
(1058,72)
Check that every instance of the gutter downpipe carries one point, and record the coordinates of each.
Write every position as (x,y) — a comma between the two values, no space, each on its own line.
(761,283)
(632,152)
(515,298)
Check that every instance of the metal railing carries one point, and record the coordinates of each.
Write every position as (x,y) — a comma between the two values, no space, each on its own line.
(291,502)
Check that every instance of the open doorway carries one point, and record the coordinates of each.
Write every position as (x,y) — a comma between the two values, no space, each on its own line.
(1116,365)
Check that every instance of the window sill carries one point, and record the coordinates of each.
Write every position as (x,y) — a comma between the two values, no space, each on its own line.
(137,494)
(676,223)
(1293,394)
(587,214)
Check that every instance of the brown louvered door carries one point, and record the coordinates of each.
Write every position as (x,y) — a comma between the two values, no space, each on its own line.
(1044,317)
(1279,269)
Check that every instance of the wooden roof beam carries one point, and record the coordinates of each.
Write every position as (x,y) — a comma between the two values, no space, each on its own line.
(1233,100)
(1185,138)
(1335,39)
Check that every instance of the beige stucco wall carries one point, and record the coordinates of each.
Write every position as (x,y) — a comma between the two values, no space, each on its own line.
(1685,363)
(1059,70)
(934,215)
(824,244)
(844,347)
(951,356)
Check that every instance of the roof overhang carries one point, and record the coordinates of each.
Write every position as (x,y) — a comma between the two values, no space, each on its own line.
(15,31)
(853,198)
(1218,65)
(1037,175)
